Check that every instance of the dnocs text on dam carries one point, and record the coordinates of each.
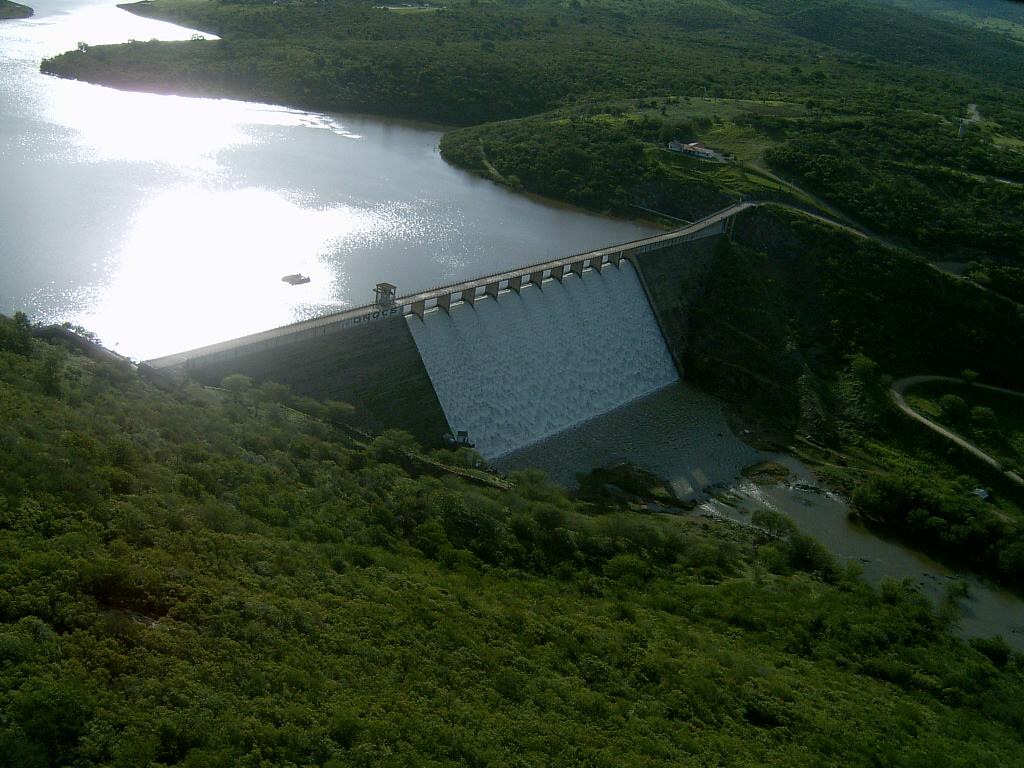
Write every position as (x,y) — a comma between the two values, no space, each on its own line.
(444,296)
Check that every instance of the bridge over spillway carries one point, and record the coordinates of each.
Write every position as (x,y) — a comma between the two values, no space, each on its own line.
(443,297)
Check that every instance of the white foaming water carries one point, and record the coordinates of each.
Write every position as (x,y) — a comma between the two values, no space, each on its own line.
(519,369)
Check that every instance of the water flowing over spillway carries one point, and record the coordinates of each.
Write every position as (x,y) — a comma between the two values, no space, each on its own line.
(515,370)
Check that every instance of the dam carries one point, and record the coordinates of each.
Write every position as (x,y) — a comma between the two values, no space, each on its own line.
(510,358)
(517,369)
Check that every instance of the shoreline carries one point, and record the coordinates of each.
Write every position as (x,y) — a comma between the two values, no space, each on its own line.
(199,91)
(176,86)
(820,511)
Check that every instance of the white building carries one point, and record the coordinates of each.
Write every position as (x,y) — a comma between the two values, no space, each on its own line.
(697,150)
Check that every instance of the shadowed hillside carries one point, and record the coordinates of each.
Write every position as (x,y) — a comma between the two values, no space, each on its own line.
(801,327)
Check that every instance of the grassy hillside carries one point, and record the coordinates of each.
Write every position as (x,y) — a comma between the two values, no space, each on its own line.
(612,156)
(911,177)
(187,581)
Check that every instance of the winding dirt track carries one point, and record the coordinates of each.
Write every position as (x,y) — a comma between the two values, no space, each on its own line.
(900,387)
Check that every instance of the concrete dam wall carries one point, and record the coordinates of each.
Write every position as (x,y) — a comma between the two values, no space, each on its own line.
(375,366)
(512,358)
(521,367)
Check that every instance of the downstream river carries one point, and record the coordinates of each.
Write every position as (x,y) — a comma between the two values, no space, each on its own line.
(163,223)
(681,434)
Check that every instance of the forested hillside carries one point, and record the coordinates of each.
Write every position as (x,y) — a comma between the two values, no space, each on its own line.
(215,579)
(1002,16)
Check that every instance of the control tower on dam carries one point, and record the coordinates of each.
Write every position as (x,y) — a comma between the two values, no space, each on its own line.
(508,358)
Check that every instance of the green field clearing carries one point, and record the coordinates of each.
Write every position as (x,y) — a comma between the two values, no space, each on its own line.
(1008,142)
(745,143)
(695,107)
(732,177)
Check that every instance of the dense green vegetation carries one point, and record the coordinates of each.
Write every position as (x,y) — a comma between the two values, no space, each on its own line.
(853,108)
(10,10)
(946,519)
(239,577)
(187,580)
(792,296)
(915,178)
(1001,278)
(936,508)
(871,96)
(991,420)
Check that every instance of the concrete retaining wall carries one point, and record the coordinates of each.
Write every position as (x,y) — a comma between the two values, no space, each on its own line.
(672,278)
(375,366)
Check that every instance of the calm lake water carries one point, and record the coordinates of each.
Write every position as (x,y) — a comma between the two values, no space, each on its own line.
(163,223)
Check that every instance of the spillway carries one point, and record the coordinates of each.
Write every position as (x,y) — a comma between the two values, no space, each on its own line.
(517,369)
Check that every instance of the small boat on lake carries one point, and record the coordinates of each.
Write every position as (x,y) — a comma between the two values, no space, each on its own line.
(296,279)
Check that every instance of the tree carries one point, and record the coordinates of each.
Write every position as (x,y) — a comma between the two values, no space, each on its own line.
(238,385)
(952,407)
(983,417)
(338,412)
(391,446)
(776,523)
(16,334)
(865,369)
(51,373)
(429,537)
(272,392)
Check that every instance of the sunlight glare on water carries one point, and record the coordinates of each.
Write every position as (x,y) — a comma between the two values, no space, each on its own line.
(207,258)
(163,129)
(204,244)
(148,128)
(61,26)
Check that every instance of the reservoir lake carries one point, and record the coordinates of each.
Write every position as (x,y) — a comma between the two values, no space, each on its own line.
(163,223)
